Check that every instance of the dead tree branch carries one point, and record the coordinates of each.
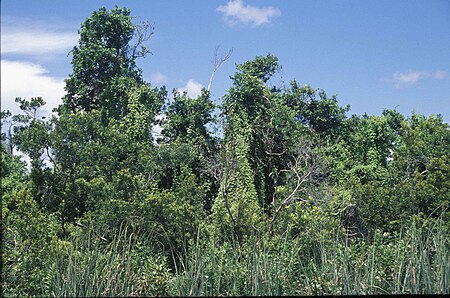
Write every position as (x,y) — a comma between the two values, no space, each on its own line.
(217,62)
(305,167)
(142,32)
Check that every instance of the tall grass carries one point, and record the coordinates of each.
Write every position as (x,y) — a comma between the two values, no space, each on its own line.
(423,259)
(97,267)
(232,269)
(414,261)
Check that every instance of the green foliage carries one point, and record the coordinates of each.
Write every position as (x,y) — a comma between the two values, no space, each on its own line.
(412,261)
(362,153)
(12,171)
(29,245)
(138,123)
(177,213)
(314,109)
(261,67)
(395,168)
(30,107)
(294,199)
(235,210)
(104,67)
(188,143)
(421,166)
(260,266)
(122,267)
(250,108)
(187,119)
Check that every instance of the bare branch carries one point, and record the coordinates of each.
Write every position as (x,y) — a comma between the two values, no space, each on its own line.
(305,167)
(300,181)
(275,153)
(143,31)
(217,62)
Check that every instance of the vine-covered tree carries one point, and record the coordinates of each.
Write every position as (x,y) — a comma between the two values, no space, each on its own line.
(104,65)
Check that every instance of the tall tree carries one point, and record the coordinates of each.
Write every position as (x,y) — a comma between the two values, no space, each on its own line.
(249,104)
(104,123)
(104,65)
(276,119)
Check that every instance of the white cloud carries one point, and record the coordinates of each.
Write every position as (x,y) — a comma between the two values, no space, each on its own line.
(26,80)
(236,12)
(193,89)
(36,41)
(413,76)
(439,75)
(158,78)
(410,77)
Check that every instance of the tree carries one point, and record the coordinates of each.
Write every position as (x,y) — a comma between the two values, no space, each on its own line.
(421,166)
(188,142)
(17,123)
(187,120)
(104,65)
(13,173)
(106,119)
(238,204)
(277,119)
(315,110)
(393,167)
(247,108)
(236,211)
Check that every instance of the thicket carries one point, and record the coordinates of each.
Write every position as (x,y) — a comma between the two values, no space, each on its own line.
(292,198)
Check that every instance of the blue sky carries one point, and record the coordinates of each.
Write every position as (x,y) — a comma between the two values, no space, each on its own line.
(372,54)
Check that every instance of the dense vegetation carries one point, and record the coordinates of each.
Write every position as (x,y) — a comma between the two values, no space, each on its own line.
(291,198)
